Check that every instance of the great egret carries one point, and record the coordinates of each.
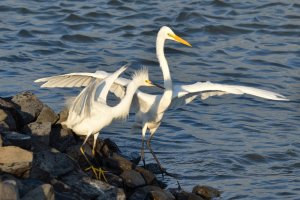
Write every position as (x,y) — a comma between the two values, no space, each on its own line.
(89,112)
(150,108)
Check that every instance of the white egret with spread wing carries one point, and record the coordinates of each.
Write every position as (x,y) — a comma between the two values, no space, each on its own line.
(149,109)
(89,112)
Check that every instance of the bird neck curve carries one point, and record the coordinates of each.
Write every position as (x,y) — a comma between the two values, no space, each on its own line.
(121,110)
(167,95)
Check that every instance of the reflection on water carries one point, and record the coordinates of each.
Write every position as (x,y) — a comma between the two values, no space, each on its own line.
(247,147)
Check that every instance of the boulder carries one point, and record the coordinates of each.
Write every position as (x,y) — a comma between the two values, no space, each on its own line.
(114,180)
(28,184)
(160,195)
(149,177)
(39,131)
(132,179)
(15,160)
(206,192)
(28,105)
(42,192)
(7,122)
(63,115)
(144,192)
(9,190)
(61,137)
(12,138)
(48,164)
(117,162)
(47,115)
(88,188)
(183,195)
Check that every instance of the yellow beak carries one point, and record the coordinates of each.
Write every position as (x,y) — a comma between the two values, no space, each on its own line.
(154,84)
(180,40)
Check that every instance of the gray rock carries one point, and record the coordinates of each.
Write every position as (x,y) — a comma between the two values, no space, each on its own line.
(28,184)
(9,190)
(39,131)
(114,180)
(143,192)
(42,192)
(47,115)
(183,195)
(15,160)
(61,137)
(132,179)
(7,122)
(159,195)
(63,115)
(1,141)
(51,164)
(29,106)
(117,162)
(149,177)
(74,152)
(12,138)
(206,192)
(89,188)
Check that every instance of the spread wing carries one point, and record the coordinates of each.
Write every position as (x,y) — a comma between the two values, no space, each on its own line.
(183,94)
(82,80)
(95,91)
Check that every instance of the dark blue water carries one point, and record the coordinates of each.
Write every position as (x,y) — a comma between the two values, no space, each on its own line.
(247,147)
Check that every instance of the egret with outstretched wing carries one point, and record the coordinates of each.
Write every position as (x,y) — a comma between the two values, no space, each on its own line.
(150,108)
(89,112)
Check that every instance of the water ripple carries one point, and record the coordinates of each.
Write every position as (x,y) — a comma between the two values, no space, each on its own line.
(246,146)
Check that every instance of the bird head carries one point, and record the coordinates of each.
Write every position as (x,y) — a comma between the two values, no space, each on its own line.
(167,33)
(141,77)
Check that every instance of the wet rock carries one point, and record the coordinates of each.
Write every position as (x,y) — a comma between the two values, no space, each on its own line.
(39,131)
(1,141)
(9,190)
(105,147)
(63,115)
(206,192)
(12,138)
(89,188)
(51,164)
(118,162)
(28,184)
(114,180)
(42,192)
(132,179)
(15,160)
(147,175)
(75,153)
(29,106)
(143,192)
(7,122)
(159,195)
(183,195)
(47,115)
(61,138)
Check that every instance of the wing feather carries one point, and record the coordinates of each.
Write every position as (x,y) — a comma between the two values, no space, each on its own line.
(183,94)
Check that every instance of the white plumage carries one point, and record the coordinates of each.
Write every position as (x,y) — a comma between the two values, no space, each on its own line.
(150,108)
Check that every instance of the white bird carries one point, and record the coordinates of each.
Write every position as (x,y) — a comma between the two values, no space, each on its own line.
(89,112)
(149,108)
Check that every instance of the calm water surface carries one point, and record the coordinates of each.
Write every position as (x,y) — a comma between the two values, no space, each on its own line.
(247,147)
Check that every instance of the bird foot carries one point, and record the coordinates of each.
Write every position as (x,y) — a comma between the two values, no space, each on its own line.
(98,171)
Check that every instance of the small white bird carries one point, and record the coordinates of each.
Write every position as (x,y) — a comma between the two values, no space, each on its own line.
(89,112)
(150,108)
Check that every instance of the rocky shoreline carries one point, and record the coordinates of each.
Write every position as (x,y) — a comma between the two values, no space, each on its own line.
(40,159)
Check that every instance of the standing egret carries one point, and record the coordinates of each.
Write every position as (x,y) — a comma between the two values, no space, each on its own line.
(89,112)
(150,108)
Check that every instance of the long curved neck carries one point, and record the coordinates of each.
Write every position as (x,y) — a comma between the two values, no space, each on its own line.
(167,95)
(122,109)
